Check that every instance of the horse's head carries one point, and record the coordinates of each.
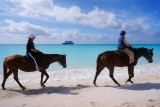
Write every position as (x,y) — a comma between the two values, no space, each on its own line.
(62,60)
(148,55)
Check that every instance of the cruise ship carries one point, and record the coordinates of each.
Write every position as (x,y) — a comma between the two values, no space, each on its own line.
(68,43)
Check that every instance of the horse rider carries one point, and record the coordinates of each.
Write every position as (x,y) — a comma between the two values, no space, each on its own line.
(123,45)
(33,53)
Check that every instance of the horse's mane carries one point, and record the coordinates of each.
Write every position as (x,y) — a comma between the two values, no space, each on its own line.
(138,49)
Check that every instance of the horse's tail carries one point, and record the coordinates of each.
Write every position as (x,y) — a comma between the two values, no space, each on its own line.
(99,62)
(4,69)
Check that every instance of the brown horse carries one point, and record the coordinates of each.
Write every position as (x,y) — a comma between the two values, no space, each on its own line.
(15,62)
(118,58)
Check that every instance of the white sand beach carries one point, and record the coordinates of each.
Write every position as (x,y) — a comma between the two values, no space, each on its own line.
(75,89)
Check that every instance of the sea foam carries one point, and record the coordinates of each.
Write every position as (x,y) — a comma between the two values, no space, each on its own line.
(81,74)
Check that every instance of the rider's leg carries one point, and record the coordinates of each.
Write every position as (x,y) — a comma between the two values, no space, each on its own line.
(130,54)
(34,60)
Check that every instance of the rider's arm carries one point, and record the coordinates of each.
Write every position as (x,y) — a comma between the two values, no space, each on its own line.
(124,40)
(34,50)
(30,47)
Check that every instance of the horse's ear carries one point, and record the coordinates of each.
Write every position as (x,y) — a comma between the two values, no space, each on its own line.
(64,54)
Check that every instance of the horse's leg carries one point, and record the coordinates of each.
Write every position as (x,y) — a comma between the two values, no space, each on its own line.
(129,77)
(47,76)
(15,72)
(99,69)
(130,73)
(42,75)
(111,71)
(5,78)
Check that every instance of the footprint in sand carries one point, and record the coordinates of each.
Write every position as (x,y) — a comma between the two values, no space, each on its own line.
(94,103)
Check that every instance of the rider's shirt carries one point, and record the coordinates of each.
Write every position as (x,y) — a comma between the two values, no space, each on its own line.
(121,44)
(30,45)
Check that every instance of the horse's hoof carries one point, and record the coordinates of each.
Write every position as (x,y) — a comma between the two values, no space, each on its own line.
(4,88)
(131,82)
(95,85)
(119,85)
(43,85)
(23,88)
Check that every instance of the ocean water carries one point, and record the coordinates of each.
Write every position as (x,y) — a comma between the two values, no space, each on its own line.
(81,62)
(78,56)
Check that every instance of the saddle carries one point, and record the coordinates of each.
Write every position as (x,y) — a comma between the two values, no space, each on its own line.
(26,58)
(122,53)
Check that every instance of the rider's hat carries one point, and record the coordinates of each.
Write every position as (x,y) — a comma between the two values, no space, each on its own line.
(122,33)
(31,36)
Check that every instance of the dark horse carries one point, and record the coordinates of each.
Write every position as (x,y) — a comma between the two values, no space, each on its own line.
(15,62)
(118,58)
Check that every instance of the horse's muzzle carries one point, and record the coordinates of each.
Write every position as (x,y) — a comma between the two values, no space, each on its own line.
(150,61)
(64,66)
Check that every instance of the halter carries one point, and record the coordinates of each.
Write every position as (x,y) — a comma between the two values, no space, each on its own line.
(61,60)
(148,55)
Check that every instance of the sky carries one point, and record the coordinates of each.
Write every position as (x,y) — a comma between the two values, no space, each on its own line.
(82,21)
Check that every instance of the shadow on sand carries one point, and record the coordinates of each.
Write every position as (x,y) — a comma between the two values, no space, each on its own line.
(141,86)
(50,90)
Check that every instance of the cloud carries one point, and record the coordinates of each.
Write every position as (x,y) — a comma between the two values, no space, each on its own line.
(49,10)
(135,25)
(97,18)
(101,19)
(154,35)
(23,28)
(18,33)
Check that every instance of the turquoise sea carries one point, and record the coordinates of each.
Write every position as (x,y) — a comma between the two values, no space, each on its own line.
(78,56)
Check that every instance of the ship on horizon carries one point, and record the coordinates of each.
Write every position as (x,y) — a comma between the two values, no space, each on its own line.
(68,43)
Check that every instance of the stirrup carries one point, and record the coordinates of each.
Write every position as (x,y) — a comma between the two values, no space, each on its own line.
(131,63)
(37,68)
(40,68)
